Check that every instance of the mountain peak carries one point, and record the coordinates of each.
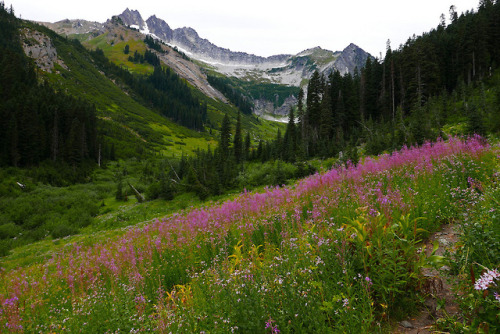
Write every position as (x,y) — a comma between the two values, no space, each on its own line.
(133,18)
(351,46)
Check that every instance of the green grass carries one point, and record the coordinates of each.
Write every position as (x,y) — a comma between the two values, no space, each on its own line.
(113,48)
(129,123)
(338,252)
(123,120)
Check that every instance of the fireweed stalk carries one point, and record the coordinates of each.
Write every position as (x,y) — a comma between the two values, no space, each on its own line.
(147,263)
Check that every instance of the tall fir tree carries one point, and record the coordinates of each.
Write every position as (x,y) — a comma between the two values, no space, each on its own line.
(238,141)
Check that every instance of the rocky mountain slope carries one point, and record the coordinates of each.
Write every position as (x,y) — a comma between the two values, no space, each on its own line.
(289,70)
(281,69)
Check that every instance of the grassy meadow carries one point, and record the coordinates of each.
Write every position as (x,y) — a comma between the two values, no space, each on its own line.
(339,251)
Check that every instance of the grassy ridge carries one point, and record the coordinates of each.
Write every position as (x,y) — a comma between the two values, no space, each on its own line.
(132,127)
(124,121)
(336,252)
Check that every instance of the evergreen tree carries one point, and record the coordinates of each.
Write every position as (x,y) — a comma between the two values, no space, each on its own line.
(303,124)
(247,146)
(289,142)
(237,141)
(314,95)
(225,137)
(224,161)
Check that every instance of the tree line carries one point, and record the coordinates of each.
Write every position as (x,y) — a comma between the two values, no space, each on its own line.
(38,123)
(163,91)
(403,99)
(239,100)
(406,97)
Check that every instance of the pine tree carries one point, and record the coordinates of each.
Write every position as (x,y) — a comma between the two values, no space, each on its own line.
(289,142)
(225,137)
(247,146)
(224,160)
(314,95)
(237,142)
(303,124)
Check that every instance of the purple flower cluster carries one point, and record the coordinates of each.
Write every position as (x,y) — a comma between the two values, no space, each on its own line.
(130,259)
(270,325)
(486,279)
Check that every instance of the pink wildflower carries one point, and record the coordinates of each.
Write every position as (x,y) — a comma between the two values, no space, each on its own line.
(486,279)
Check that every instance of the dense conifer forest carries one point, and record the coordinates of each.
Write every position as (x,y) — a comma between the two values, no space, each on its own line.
(445,76)
(38,123)
(163,90)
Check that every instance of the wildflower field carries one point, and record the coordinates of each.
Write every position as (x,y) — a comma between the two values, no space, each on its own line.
(339,252)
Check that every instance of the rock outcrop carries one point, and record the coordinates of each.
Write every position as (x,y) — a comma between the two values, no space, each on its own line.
(39,47)
(133,18)
(280,69)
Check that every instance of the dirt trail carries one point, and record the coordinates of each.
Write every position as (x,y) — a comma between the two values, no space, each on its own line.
(438,287)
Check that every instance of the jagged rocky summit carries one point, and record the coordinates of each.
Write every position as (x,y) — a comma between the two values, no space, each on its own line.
(283,69)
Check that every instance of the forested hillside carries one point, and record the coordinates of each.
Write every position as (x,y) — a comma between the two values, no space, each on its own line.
(162,90)
(80,131)
(445,81)
(435,85)
(38,123)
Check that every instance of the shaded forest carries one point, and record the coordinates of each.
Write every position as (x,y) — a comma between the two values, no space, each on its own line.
(223,85)
(163,90)
(38,123)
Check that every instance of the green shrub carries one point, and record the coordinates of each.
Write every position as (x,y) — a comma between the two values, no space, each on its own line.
(62,231)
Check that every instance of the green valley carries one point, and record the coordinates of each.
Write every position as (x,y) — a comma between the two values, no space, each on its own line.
(142,188)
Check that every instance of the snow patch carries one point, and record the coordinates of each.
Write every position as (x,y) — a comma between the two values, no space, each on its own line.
(268,117)
(145,31)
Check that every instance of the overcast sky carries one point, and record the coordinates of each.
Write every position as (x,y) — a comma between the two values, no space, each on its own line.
(269,27)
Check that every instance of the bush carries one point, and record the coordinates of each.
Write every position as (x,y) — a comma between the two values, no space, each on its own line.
(9,230)
(62,231)
(270,173)
(44,211)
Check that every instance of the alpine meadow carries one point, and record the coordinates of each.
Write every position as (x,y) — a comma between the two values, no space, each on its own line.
(152,181)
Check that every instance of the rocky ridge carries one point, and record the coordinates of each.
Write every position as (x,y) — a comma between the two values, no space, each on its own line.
(75,27)
(280,69)
(291,70)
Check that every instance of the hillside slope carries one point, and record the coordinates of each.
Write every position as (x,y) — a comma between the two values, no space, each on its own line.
(123,120)
(124,117)
(278,70)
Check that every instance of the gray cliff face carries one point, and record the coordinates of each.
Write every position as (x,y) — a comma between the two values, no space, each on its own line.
(290,70)
(281,69)
(160,28)
(132,18)
(188,39)
(262,107)
(40,48)
(75,27)
(202,49)
(352,57)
